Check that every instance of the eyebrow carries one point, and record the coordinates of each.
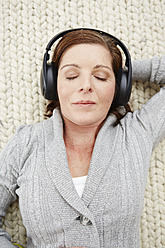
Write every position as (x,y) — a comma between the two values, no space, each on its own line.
(95,67)
(102,66)
(74,65)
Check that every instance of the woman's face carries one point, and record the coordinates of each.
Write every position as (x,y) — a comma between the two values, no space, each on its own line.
(85,84)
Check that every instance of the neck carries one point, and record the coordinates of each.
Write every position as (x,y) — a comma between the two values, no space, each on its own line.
(80,137)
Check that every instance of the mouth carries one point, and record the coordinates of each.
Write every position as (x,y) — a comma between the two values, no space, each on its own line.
(84,103)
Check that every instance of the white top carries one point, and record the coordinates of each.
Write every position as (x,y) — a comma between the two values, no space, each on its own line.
(79,183)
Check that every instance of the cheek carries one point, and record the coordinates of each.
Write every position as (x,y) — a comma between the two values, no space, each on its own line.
(108,94)
(61,90)
(64,92)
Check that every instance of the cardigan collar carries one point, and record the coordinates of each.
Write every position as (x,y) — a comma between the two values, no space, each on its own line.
(57,165)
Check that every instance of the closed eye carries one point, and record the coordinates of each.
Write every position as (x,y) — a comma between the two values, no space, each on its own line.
(71,78)
(101,79)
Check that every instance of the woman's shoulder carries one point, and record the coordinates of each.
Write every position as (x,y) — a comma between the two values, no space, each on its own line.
(27,132)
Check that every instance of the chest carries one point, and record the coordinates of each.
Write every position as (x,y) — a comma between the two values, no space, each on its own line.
(78,162)
(116,189)
(113,194)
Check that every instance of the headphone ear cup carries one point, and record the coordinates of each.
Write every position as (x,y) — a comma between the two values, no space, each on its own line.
(123,93)
(49,81)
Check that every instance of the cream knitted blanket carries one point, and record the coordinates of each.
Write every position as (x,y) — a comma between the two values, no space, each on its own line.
(26,26)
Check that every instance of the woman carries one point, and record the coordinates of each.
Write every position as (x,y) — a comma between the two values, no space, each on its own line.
(79,175)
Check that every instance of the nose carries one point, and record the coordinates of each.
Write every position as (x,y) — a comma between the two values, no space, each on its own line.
(86,84)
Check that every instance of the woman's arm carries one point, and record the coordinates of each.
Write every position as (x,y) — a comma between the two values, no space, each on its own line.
(151,70)
(9,161)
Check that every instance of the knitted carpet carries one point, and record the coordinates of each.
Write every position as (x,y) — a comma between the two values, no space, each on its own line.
(26,26)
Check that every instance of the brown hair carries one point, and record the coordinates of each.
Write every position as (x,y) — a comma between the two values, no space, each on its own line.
(88,37)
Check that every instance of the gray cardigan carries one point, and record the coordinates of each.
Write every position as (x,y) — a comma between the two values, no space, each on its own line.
(34,166)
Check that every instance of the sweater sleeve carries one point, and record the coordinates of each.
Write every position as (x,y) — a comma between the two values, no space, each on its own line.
(151,70)
(151,118)
(9,171)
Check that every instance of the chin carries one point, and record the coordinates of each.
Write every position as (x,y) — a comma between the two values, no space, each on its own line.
(89,122)
(85,119)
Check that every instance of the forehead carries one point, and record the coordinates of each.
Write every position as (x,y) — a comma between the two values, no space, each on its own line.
(86,52)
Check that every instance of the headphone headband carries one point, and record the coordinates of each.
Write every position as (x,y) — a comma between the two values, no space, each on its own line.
(118,42)
(49,73)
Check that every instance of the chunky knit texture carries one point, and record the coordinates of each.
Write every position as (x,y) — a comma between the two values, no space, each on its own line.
(25,29)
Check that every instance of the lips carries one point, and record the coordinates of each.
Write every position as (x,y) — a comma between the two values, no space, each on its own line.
(84,102)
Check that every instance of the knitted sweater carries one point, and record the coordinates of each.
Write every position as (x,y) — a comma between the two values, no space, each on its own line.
(34,166)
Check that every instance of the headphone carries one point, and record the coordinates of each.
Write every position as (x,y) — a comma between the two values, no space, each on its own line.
(48,79)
